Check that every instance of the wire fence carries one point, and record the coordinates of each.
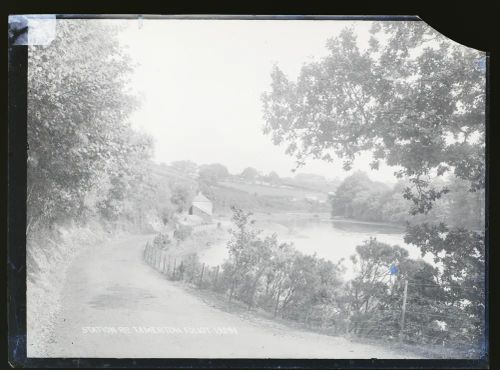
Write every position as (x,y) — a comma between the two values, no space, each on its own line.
(423,321)
(182,268)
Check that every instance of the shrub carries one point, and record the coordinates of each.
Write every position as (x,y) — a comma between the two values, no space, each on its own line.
(161,241)
(183,232)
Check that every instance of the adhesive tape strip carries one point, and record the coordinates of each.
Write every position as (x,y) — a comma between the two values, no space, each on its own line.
(32,29)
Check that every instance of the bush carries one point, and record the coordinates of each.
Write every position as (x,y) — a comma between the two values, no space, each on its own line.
(161,241)
(183,232)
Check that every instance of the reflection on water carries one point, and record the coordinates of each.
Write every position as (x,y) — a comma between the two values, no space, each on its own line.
(333,240)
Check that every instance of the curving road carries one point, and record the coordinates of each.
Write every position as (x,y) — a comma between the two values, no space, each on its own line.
(115,305)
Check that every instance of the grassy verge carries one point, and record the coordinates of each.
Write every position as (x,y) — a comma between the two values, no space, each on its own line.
(259,316)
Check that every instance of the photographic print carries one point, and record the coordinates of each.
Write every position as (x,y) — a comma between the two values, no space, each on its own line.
(254,188)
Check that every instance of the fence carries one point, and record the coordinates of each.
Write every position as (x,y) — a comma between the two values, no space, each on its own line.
(407,320)
(418,320)
(182,268)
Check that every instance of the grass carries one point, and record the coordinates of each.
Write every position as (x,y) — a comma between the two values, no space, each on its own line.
(49,254)
(220,301)
(273,191)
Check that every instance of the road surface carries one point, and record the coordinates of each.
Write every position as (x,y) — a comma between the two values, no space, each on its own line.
(115,305)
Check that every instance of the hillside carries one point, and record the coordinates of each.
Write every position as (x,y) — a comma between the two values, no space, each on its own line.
(287,191)
(288,194)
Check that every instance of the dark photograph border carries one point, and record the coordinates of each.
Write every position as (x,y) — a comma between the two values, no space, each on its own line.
(16,226)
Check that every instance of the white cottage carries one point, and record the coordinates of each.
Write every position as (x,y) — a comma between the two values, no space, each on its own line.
(201,206)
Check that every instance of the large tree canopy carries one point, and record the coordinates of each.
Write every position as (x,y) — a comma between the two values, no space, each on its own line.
(413,98)
(78,133)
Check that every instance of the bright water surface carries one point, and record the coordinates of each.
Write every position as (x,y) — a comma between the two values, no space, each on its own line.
(329,239)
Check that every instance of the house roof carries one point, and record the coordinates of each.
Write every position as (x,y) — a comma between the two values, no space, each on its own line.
(204,207)
(200,198)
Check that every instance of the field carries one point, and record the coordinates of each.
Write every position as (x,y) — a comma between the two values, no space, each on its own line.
(275,191)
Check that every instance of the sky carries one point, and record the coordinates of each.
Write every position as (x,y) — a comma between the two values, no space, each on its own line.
(200,84)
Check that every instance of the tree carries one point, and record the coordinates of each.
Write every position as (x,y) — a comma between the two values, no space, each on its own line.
(370,286)
(463,207)
(186,168)
(212,173)
(273,178)
(462,256)
(413,99)
(342,199)
(131,191)
(358,197)
(182,232)
(240,260)
(250,174)
(78,108)
(394,207)
(181,196)
(374,295)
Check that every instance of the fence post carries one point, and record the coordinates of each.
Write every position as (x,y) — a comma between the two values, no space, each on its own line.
(403,311)
(201,275)
(175,263)
(168,270)
(216,276)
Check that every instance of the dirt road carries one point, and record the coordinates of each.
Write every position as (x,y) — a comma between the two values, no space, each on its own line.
(115,305)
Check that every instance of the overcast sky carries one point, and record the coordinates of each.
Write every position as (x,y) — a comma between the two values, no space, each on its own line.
(201,81)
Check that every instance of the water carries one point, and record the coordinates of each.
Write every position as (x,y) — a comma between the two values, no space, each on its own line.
(332,240)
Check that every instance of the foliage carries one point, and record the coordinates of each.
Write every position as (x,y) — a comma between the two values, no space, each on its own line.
(360,198)
(162,241)
(212,173)
(249,174)
(182,232)
(82,151)
(369,291)
(357,196)
(273,178)
(186,168)
(461,253)
(181,197)
(413,98)
(263,273)
(273,275)
(436,312)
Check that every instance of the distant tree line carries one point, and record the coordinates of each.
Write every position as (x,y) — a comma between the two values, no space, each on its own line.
(186,178)
(360,198)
